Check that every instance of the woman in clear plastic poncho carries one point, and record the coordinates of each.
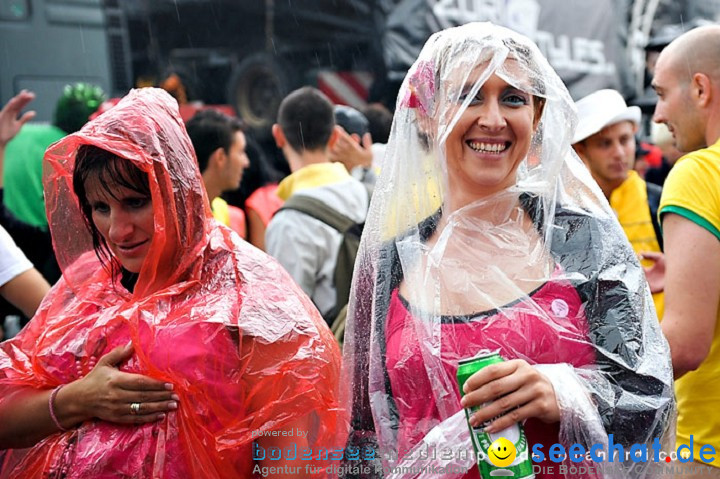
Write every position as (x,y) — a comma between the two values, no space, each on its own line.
(487,233)
(245,352)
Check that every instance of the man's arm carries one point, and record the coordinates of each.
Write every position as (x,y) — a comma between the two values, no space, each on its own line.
(26,291)
(692,291)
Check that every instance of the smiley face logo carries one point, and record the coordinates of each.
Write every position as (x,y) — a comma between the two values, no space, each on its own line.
(502,452)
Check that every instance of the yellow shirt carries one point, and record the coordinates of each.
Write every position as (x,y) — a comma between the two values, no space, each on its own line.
(231,216)
(220,210)
(630,203)
(692,190)
(312,176)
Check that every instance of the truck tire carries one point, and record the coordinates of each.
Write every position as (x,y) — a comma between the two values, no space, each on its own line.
(255,88)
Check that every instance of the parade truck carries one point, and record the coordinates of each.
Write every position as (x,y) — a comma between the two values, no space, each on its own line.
(243,53)
(247,54)
(250,53)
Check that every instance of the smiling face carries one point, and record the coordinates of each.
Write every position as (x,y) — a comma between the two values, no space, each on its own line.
(502,452)
(125,220)
(491,138)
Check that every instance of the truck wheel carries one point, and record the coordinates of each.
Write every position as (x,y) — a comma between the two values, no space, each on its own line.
(256,88)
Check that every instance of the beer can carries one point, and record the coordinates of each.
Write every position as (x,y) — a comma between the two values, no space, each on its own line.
(521,467)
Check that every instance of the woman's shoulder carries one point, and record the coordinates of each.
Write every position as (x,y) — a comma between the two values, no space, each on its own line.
(570,219)
(271,304)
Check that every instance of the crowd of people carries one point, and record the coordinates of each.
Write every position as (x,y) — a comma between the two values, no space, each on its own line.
(314,328)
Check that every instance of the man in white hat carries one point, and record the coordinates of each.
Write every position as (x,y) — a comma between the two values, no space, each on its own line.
(687,81)
(605,141)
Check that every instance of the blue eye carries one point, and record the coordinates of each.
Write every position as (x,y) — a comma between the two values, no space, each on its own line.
(515,99)
(474,101)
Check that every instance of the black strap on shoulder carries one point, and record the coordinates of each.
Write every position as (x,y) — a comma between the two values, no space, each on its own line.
(654,192)
(320,211)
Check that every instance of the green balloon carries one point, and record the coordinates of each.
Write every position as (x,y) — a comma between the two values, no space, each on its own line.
(76,104)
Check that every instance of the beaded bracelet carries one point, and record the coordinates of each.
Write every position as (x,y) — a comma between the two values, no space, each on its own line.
(51,406)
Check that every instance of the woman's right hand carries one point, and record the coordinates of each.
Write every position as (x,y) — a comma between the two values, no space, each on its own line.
(510,392)
(107,393)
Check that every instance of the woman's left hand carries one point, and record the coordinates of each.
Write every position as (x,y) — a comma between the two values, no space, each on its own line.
(510,392)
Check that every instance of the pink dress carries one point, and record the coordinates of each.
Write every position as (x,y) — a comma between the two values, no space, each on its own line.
(547,327)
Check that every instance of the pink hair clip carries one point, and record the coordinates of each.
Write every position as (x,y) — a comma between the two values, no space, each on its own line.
(421,87)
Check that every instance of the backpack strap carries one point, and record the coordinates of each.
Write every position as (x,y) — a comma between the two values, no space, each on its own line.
(346,255)
(654,192)
(320,211)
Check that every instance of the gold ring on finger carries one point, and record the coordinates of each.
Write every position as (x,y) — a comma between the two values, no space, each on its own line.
(135,408)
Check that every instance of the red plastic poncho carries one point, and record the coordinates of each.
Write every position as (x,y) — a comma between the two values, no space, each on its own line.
(245,348)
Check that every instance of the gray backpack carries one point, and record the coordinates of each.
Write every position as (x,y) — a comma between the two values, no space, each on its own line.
(342,277)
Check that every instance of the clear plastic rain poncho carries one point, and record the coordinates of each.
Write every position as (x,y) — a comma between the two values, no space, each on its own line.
(246,350)
(518,252)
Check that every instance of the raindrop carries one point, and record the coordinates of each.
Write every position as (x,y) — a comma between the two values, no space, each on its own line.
(215,16)
(6,55)
(84,50)
(82,39)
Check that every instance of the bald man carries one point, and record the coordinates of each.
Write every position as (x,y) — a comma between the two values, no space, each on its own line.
(687,81)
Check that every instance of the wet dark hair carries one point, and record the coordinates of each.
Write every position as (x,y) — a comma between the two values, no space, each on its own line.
(307,119)
(110,171)
(209,130)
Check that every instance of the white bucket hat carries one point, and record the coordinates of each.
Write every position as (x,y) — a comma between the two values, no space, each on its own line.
(600,109)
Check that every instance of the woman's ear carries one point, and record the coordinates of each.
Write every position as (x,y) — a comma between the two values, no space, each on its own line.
(539,104)
(426,127)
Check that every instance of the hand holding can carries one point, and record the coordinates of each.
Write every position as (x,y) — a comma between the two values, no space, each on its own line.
(505,450)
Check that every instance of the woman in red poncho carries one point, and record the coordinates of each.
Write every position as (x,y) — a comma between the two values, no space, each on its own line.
(169,345)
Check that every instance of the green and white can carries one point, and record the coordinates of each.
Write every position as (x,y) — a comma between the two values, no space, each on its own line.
(521,467)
